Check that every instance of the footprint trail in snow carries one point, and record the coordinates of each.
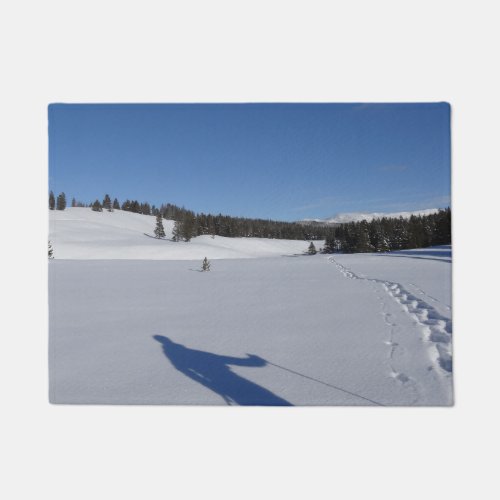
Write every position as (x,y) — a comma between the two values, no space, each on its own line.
(437,329)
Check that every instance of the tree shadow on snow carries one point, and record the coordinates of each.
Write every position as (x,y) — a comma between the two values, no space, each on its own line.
(411,257)
(212,371)
(159,239)
(443,251)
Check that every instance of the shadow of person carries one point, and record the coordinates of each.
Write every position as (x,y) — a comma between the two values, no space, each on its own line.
(212,371)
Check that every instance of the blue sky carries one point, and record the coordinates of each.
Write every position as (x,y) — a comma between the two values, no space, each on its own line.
(279,161)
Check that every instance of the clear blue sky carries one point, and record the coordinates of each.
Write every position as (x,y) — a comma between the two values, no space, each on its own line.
(279,161)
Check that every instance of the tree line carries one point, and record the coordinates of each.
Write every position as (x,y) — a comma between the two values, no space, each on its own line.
(59,204)
(378,235)
(189,224)
(386,234)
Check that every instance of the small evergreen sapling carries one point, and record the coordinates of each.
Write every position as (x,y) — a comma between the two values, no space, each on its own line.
(159,229)
(205,265)
(312,249)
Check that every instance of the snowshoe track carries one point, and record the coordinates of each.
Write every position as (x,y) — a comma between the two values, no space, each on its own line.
(437,328)
(399,376)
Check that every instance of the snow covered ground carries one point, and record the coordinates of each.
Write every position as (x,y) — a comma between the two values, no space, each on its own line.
(80,233)
(362,329)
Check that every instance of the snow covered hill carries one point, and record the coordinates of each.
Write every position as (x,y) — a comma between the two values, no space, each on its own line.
(359,216)
(80,233)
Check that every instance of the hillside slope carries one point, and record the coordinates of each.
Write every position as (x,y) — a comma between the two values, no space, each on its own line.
(80,233)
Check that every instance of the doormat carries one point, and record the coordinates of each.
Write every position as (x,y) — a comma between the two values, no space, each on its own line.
(250,254)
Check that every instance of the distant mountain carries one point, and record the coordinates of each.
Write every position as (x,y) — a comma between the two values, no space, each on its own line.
(359,216)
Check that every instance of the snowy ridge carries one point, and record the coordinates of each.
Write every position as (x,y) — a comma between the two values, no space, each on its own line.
(437,328)
(343,218)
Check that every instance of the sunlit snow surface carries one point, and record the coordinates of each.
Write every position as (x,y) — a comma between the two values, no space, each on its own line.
(80,233)
(362,329)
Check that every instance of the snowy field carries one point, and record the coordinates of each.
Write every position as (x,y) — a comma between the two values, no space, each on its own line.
(362,329)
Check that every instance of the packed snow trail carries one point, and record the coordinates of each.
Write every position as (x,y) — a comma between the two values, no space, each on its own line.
(437,328)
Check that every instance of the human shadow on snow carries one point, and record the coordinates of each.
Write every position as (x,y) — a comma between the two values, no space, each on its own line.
(212,371)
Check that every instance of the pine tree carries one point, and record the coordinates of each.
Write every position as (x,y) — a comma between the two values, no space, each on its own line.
(51,251)
(312,249)
(382,244)
(106,203)
(205,265)
(73,202)
(176,232)
(145,209)
(52,201)
(96,206)
(116,205)
(61,201)
(159,229)
(185,226)
(188,227)
(362,236)
(442,232)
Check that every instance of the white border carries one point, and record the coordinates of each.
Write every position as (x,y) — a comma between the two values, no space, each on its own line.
(152,51)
